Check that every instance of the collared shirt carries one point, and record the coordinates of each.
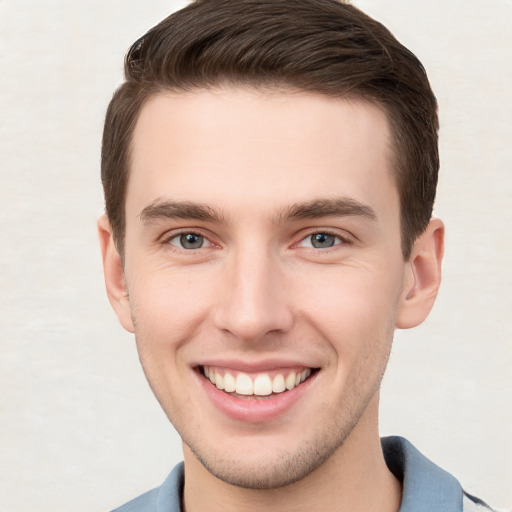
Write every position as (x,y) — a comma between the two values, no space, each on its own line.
(426,487)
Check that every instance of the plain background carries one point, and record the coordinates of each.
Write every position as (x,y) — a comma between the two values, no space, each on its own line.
(79,428)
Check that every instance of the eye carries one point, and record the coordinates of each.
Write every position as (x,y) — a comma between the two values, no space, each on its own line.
(189,241)
(321,240)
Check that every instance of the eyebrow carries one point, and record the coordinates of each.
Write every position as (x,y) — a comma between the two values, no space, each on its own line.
(335,207)
(178,210)
(317,208)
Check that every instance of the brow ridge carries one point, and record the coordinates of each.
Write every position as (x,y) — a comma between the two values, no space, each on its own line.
(329,207)
(316,208)
(178,210)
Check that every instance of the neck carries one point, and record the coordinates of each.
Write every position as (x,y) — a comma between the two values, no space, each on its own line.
(355,478)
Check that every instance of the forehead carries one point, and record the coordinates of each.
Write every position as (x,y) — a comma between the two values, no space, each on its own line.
(261,148)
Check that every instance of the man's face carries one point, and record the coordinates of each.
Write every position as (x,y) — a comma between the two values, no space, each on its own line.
(263,249)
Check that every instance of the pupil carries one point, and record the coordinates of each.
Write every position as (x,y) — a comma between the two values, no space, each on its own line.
(191,241)
(322,240)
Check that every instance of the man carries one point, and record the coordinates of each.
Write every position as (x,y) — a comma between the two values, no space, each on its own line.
(269,172)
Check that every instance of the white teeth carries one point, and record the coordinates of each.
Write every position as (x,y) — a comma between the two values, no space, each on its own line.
(244,384)
(262,385)
(219,380)
(229,383)
(278,383)
(290,381)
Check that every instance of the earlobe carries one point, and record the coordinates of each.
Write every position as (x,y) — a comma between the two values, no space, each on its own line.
(422,276)
(114,275)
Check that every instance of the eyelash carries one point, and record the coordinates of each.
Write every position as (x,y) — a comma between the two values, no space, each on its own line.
(341,240)
(166,240)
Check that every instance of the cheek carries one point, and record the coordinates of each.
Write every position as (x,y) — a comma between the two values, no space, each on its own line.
(167,307)
(355,309)
(168,311)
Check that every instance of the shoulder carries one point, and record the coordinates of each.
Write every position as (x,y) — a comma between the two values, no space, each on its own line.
(166,498)
(473,504)
(426,487)
(144,503)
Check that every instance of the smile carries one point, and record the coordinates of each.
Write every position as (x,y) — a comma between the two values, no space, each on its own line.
(258,384)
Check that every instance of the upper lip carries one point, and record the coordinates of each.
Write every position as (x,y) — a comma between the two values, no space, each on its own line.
(248,366)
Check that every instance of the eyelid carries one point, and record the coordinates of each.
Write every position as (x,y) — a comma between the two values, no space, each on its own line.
(166,238)
(206,242)
(344,238)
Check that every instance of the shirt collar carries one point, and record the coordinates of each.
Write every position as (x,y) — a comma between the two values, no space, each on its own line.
(426,487)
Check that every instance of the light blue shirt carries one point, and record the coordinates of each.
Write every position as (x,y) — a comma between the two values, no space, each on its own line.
(426,487)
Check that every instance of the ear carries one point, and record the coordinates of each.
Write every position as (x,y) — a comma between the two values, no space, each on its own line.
(422,276)
(114,275)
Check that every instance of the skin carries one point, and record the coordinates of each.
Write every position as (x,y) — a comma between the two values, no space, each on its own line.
(236,168)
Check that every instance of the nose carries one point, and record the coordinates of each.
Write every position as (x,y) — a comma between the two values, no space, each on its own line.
(254,301)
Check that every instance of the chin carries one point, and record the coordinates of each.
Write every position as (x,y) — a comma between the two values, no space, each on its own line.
(257,468)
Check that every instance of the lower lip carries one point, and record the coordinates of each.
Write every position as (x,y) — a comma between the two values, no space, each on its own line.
(254,410)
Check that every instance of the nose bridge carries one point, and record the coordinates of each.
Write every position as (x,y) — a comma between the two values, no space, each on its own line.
(254,302)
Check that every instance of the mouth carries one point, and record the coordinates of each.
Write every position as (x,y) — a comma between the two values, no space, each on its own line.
(258,385)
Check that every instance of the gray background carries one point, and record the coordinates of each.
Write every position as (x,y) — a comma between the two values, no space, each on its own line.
(79,428)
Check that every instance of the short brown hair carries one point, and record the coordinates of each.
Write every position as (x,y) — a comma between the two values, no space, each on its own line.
(322,46)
